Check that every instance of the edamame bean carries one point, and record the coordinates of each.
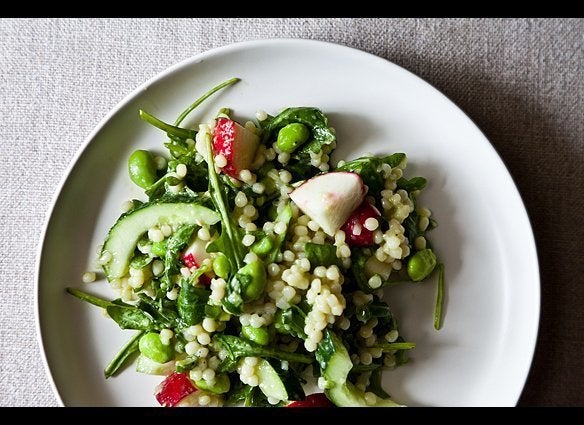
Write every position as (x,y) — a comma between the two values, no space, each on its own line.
(142,168)
(159,248)
(253,278)
(263,246)
(421,264)
(152,347)
(292,136)
(221,265)
(259,335)
(220,386)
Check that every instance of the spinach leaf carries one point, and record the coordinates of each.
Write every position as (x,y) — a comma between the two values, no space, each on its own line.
(375,384)
(237,348)
(174,244)
(125,315)
(129,350)
(367,167)
(130,317)
(162,310)
(191,303)
(321,255)
(320,133)
(376,308)
(415,183)
(291,322)
(284,216)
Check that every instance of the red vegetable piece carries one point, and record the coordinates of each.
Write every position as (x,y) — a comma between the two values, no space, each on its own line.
(173,389)
(313,400)
(356,234)
(189,260)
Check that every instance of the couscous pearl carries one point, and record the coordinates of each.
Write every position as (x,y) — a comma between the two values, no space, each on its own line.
(375,282)
(251,227)
(250,257)
(209,374)
(105,258)
(370,398)
(273,269)
(127,206)
(220,161)
(204,339)
(391,336)
(280,228)
(166,230)
(204,234)
(166,334)
(172,294)
(249,210)
(88,277)
(283,157)
(240,200)
(210,325)
(248,240)
(155,235)
(191,348)
(195,374)
(423,223)
(420,243)
(285,176)
(261,115)
(202,352)
(157,267)
(160,162)
(371,224)
(181,171)
(204,400)
(258,188)
(245,175)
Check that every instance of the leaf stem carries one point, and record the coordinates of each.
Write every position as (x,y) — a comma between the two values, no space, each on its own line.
(201,99)
(89,298)
(123,355)
(439,298)
(183,133)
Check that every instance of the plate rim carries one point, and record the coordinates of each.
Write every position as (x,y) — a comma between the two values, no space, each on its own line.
(261,43)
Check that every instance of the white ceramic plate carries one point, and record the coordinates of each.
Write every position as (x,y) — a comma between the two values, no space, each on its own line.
(483,353)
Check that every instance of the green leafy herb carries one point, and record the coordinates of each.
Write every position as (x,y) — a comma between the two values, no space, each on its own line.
(125,355)
(237,348)
(368,167)
(439,298)
(191,303)
(322,255)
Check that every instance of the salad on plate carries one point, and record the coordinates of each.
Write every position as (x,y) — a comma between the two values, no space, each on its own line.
(253,269)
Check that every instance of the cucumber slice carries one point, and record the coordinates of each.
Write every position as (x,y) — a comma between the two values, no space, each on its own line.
(150,367)
(336,364)
(346,395)
(270,382)
(124,235)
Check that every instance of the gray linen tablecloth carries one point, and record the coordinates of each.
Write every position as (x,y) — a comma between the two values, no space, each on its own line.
(520,80)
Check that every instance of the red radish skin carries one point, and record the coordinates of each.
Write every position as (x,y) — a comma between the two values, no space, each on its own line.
(173,389)
(236,143)
(313,400)
(357,221)
(189,260)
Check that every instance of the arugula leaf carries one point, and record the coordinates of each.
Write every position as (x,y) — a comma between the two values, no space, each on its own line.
(367,167)
(191,303)
(322,255)
(162,310)
(129,350)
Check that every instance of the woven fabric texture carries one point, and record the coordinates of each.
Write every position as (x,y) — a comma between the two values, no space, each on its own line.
(520,80)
